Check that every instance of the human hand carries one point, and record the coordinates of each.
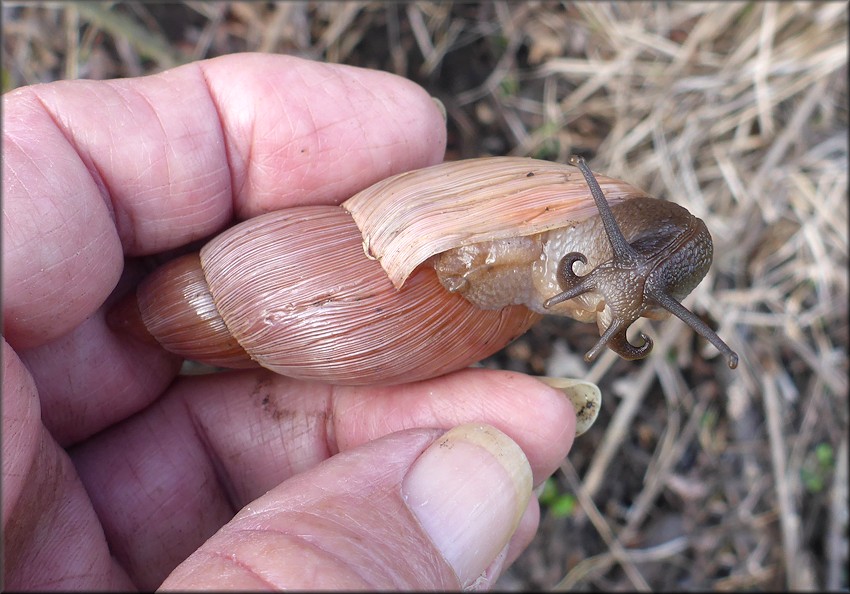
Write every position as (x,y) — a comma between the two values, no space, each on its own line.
(117,475)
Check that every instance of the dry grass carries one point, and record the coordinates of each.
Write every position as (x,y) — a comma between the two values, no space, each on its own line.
(696,476)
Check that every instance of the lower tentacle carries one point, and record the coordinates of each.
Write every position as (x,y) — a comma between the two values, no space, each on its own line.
(615,339)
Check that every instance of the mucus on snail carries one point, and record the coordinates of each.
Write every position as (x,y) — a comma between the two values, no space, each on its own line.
(427,272)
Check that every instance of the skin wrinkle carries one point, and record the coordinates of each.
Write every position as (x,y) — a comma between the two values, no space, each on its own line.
(34,217)
(312,130)
(247,159)
(332,420)
(88,163)
(296,445)
(122,549)
(66,514)
(249,189)
(223,480)
(361,125)
(391,107)
(126,222)
(152,491)
(307,426)
(19,412)
(353,407)
(52,258)
(329,86)
(124,94)
(297,539)
(336,559)
(154,191)
(91,167)
(227,149)
(70,412)
(234,559)
(307,142)
(339,529)
(305,130)
(190,210)
(164,132)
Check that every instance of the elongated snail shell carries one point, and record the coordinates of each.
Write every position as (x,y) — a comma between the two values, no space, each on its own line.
(420,274)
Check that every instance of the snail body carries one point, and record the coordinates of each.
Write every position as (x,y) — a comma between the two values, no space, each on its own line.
(424,273)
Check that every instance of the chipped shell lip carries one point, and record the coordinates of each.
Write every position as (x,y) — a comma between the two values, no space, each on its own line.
(585,397)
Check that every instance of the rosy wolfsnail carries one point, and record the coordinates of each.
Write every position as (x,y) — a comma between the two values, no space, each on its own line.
(427,272)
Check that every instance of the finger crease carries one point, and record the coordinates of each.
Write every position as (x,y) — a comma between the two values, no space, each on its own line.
(118,215)
(226,142)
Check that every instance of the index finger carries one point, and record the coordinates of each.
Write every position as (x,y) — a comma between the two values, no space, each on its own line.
(96,170)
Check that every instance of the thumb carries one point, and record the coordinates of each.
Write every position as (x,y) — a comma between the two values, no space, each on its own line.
(418,509)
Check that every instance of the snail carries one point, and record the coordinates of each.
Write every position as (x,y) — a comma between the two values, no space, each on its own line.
(427,272)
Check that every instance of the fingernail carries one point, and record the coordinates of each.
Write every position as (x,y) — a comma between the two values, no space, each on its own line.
(584,396)
(441,107)
(469,490)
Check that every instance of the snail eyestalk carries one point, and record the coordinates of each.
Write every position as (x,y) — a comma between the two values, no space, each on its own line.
(640,277)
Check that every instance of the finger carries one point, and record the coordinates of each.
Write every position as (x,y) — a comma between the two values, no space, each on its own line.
(318,132)
(167,479)
(151,168)
(525,532)
(91,378)
(414,510)
(148,164)
(51,536)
